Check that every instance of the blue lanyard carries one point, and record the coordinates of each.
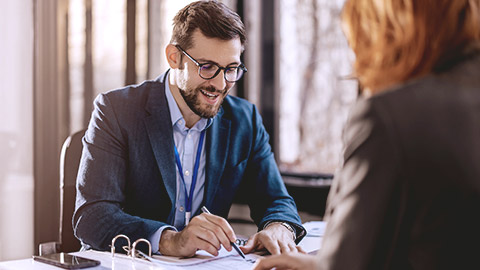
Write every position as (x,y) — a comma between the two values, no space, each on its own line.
(189,198)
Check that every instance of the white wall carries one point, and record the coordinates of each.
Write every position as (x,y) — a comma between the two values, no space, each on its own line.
(16,129)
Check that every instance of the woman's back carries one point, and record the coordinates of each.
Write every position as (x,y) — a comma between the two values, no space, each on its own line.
(418,146)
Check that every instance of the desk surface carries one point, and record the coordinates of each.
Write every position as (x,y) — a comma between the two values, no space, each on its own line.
(310,243)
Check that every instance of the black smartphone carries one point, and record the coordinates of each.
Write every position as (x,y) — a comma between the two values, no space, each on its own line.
(66,261)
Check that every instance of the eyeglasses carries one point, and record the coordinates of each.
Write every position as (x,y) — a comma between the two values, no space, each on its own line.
(210,70)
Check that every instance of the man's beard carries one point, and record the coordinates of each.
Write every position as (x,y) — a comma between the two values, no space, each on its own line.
(192,98)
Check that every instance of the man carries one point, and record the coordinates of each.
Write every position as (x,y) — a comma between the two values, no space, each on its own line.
(155,153)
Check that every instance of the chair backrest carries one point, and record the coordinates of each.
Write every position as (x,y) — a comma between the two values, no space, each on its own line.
(69,162)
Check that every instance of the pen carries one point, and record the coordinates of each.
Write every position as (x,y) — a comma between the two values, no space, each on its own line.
(205,210)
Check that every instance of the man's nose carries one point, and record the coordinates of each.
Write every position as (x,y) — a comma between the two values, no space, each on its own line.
(219,81)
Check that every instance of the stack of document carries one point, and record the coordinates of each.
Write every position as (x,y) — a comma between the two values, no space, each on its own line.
(202,260)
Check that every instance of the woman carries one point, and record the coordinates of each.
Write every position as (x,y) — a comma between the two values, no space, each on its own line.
(408,195)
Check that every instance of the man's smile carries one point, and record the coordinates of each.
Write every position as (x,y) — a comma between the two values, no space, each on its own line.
(209,94)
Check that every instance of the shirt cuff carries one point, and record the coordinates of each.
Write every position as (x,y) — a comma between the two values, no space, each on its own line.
(155,238)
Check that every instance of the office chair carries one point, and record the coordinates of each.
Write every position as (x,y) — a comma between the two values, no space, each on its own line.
(69,162)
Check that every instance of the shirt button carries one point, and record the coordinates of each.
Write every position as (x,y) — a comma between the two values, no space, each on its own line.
(180,122)
(189,136)
(187,173)
(181,209)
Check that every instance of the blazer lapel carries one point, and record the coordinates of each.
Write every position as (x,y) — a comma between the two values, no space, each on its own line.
(160,134)
(218,137)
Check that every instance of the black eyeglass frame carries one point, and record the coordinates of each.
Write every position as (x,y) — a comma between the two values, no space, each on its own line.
(199,65)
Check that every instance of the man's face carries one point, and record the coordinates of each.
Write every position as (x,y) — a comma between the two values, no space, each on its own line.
(204,97)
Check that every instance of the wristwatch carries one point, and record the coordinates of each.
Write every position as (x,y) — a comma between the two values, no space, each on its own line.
(284,224)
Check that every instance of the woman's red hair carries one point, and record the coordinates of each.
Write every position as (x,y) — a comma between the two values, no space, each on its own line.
(398,40)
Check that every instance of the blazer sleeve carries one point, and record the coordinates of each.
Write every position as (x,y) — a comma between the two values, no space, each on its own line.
(101,183)
(365,203)
(271,200)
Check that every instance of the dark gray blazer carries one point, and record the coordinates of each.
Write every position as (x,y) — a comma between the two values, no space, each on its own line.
(408,196)
(127,181)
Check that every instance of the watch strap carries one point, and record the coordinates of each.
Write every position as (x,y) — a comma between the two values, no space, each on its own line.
(284,224)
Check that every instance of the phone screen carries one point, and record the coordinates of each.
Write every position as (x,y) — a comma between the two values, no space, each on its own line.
(67,261)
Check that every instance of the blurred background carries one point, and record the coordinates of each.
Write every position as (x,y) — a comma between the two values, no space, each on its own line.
(57,55)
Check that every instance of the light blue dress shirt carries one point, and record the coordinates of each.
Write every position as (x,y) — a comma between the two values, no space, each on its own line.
(186,140)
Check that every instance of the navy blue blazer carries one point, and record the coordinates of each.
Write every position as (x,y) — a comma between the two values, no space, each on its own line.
(127,178)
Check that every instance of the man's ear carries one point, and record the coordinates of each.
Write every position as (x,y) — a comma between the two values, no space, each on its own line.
(173,56)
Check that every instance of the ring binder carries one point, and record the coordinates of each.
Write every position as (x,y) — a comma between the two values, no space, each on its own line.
(132,249)
(136,259)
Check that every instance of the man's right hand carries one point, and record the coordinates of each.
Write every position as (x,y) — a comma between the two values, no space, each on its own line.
(206,232)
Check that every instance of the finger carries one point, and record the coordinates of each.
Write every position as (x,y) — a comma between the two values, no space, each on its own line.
(293,247)
(211,223)
(249,247)
(193,237)
(222,223)
(205,245)
(198,229)
(255,247)
(261,264)
(278,261)
(271,246)
(284,248)
(301,250)
(208,236)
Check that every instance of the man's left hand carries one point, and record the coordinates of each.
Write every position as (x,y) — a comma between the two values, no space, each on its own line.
(275,238)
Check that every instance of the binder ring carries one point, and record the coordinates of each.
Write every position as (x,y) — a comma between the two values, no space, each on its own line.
(241,242)
(131,249)
(138,241)
(115,239)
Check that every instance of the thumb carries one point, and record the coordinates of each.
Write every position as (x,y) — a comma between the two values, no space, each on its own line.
(249,247)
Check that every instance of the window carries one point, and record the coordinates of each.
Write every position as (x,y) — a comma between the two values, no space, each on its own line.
(314,94)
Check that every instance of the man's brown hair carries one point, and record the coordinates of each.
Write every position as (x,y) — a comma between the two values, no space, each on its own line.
(214,19)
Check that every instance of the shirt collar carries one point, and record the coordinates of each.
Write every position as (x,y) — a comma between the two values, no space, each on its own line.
(176,115)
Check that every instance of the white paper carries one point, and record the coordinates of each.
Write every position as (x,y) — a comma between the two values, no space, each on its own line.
(202,260)
(315,228)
